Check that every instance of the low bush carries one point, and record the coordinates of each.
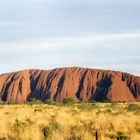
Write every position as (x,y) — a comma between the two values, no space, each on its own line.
(68,100)
(122,136)
(133,107)
(34,101)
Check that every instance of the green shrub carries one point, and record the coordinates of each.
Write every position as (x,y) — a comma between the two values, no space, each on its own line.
(51,128)
(133,107)
(86,106)
(121,136)
(17,128)
(50,102)
(35,101)
(68,100)
(46,131)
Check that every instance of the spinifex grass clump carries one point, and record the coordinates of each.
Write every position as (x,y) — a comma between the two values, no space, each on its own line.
(50,129)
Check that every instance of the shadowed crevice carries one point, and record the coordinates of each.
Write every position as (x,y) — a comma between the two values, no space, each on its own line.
(131,83)
(103,86)
(33,85)
(20,86)
(49,80)
(92,94)
(59,86)
(81,85)
(6,87)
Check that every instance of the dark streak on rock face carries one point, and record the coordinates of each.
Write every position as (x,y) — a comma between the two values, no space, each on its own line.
(81,85)
(132,83)
(59,87)
(6,87)
(102,89)
(78,83)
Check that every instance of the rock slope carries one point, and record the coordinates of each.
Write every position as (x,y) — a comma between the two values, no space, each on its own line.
(81,84)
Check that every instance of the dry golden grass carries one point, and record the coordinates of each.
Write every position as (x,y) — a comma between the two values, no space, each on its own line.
(70,122)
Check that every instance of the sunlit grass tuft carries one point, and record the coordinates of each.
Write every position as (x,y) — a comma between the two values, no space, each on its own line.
(74,121)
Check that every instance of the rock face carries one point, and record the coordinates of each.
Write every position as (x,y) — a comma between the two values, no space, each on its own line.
(81,84)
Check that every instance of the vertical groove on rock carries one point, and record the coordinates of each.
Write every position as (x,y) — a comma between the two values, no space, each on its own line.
(131,83)
(49,80)
(59,86)
(33,84)
(92,94)
(20,86)
(6,88)
(81,85)
(102,89)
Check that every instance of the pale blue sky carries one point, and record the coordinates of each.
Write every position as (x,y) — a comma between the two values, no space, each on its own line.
(47,34)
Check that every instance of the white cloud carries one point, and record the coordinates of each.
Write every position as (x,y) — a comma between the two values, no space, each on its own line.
(49,43)
(86,51)
(17,1)
(132,69)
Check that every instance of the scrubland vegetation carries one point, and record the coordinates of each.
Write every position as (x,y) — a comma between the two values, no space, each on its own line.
(69,121)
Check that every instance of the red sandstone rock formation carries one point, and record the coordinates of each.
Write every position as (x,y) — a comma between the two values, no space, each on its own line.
(81,84)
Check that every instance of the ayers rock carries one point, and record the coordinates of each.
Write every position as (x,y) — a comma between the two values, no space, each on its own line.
(81,84)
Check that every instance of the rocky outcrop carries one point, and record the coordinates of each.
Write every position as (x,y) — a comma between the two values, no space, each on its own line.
(81,84)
